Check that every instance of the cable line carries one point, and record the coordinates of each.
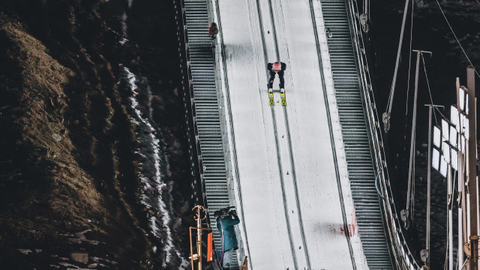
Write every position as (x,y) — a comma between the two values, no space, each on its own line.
(408,82)
(409,62)
(451,29)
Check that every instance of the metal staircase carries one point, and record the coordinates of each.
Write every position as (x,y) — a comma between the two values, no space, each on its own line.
(353,122)
(206,112)
(380,237)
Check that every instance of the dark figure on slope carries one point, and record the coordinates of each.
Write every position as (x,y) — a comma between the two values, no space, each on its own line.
(276,68)
(226,220)
(213,31)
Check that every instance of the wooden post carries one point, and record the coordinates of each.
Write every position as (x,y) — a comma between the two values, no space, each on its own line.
(472,168)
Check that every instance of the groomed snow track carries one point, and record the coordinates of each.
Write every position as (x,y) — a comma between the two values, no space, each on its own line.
(383,244)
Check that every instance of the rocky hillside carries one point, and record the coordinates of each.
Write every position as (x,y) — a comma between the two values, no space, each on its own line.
(69,168)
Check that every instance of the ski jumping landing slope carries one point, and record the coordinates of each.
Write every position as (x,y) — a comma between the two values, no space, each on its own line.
(289,169)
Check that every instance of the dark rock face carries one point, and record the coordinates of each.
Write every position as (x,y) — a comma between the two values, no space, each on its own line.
(73,158)
(437,78)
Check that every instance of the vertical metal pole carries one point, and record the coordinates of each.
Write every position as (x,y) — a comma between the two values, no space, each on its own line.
(191,248)
(412,139)
(465,199)
(450,217)
(386,115)
(460,185)
(199,239)
(429,181)
(472,173)
(477,190)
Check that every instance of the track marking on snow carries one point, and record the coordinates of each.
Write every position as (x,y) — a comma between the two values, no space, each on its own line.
(332,139)
(223,70)
(282,181)
(289,147)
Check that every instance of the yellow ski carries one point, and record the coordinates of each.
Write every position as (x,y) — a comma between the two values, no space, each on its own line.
(283,98)
(270,97)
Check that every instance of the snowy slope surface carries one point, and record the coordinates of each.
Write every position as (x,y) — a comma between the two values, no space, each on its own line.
(291,201)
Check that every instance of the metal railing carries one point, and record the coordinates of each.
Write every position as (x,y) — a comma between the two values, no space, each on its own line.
(401,252)
(203,103)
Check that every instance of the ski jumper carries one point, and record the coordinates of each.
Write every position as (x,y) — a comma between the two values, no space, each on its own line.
(277,67)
